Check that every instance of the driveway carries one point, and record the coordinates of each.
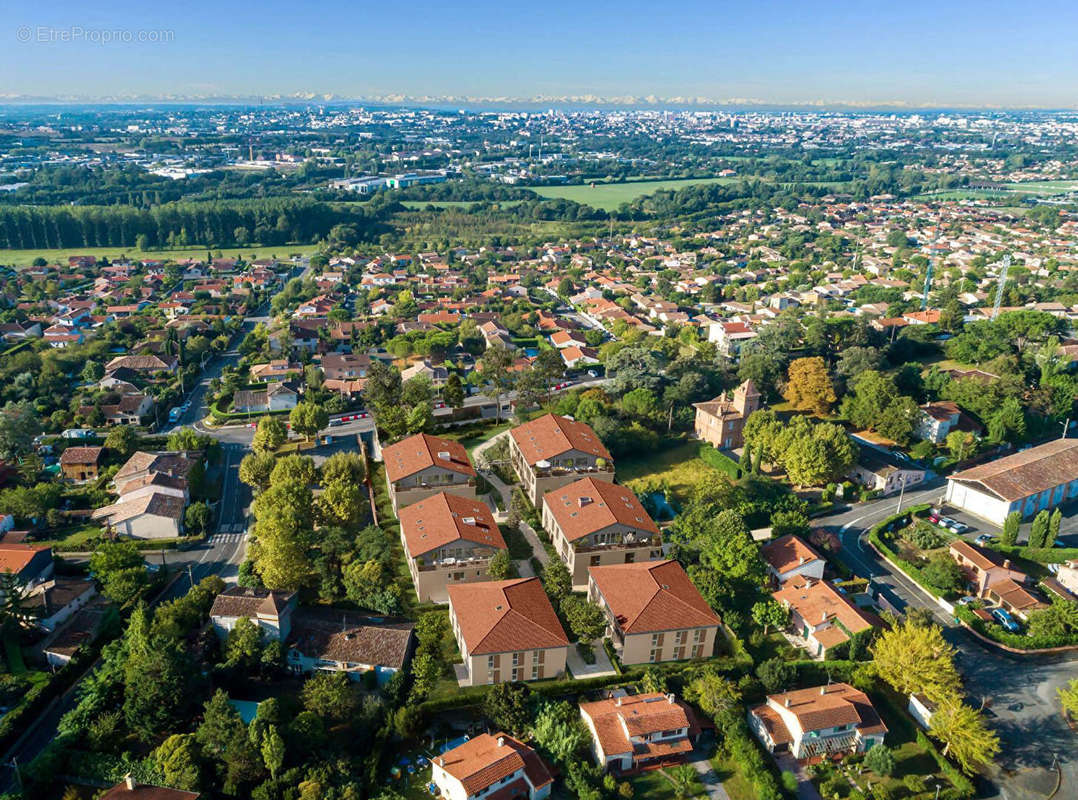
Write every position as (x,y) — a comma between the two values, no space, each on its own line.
(1018,691)
(805,788)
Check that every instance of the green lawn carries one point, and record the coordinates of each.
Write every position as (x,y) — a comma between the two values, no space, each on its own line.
(609,196)
(68,538)
(735,784)
(680,468)
(13,653)
(24,258)
(464,204)
(656,786)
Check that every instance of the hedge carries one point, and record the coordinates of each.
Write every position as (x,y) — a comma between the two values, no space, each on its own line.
(911,570)
(1019,641)
(1042,555)
(140,544)
(963,786)
(720,461)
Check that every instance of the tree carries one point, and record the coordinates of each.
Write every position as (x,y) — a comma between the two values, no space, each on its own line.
(509,706)
(943,573)
(1039,532)
(225,740)
(556,580)
(269,436)
(1010,528)
(243,647)
(121,571)
(495,372)
(1054,523)
(340,503)
(16,611)
(880,760)
(686,780)
(916,658)
(1068,698)
(1057,620)
(196,518)
(789,523)
(716,695)
(330,695)
(308,419)
(500,566)
(808,387)
(964,734)
(771,614)
(273,751)
(960,444)
(255,469)
(557,730)
(18,426)
(586,620)
(814,454)
(157,679)
(775,674)
(179,762)
(453,391)
(123,439)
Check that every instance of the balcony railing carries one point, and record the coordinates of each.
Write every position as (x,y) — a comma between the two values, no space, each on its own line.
(547,472)
(399,487)
(635,544)
(450,564)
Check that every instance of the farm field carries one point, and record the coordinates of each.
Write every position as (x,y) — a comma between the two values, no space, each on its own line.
(608,196)
(25,258)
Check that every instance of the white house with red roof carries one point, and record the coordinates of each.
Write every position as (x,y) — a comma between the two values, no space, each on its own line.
(492,767)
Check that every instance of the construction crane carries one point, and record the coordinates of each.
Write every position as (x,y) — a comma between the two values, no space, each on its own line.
(1002,282)
(931,264)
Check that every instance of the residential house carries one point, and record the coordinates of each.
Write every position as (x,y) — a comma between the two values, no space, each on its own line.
(57,600)
(506,631)
(818,721)
(269,609)
(31,564)
(144,363)
(654,612)
(330,640)
(595,522)
(936,420)
(721,421)
(129,789)
(491,767)
(129,409)
(790,556)
(884,472)
(153,516)
(635,732)
(277,371)
(1030,481)
(552,451)
(448,539)
(275,397)
(345,366)
(423,465)
(730,336)
(435,373)
(982,567)
(822,616)
(80,463)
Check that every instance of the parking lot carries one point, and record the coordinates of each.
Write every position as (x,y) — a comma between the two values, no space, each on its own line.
(1068,529)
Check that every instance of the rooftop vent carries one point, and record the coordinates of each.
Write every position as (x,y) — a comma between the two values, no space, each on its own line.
(584,501)
(443,455)
(468,520)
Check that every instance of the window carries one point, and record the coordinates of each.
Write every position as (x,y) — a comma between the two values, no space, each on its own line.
(680,637)
(516,659)
(699,634)
(656,654)
(594,561)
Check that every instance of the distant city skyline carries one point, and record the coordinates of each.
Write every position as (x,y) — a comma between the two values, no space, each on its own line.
(781,53)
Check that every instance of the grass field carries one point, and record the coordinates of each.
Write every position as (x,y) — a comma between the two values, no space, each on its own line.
(462,204)
(608,196)
(24,258)
(1043,187)
(680,468)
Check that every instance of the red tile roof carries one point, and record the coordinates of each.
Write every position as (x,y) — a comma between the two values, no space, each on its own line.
(1028,472)
(409,456)
(483,761)
(589,505)
(503,616)
(551,435)
(787,553)
(652,596)
(445,518)
(640,715)
(15,557)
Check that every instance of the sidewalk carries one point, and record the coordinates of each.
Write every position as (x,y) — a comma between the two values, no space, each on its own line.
(601,668)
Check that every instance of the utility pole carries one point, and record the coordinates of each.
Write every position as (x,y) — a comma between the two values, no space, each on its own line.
(1066,427)
(190,575)
(901,492)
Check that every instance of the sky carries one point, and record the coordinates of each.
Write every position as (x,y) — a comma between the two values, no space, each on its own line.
(943,53)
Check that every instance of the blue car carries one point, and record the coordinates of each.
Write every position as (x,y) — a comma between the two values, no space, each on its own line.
(1006,620)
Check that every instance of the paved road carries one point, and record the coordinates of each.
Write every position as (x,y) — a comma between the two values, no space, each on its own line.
(1019,691)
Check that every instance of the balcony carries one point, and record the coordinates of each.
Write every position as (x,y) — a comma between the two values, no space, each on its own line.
(549,472)
(401,487)
(476,562)
(634,544)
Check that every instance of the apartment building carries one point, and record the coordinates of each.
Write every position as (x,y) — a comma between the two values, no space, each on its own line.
(552,451)
(448,539)
(594,523)
(654,612)
(422,466)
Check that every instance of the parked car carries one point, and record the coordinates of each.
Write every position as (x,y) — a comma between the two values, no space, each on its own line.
(934,517)
(1001,616)
(984,539)
(958,527)
(965,601)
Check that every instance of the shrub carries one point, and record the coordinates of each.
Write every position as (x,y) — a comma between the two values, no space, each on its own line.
(880,760)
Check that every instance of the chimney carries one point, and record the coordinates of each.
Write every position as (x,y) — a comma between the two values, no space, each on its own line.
(501,741)
(787,701)
(800,561)
(823,690)
(1006,563)
(441,761)
(129,781)
(670,698)
(617,701)
(584,501)
(823,616)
